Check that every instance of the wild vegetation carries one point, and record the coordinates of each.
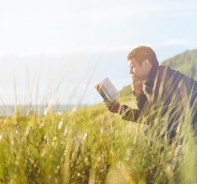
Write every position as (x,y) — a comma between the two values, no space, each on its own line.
(91,145)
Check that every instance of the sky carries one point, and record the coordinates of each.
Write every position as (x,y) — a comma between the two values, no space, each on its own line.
(56,51)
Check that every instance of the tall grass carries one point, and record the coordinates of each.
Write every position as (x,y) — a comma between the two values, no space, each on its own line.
(91,145)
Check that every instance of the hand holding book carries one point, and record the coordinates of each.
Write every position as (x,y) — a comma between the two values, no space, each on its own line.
(109,93)
(107,90)
(113,107)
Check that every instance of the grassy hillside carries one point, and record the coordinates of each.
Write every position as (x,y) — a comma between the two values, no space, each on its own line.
(92,145)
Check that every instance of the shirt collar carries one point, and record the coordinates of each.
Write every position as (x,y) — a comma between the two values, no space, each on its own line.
(150,79)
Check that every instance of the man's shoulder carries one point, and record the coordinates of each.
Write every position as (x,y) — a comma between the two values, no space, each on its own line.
(175,74)
(168,70)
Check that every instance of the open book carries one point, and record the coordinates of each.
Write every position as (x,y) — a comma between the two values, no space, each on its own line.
(107,90)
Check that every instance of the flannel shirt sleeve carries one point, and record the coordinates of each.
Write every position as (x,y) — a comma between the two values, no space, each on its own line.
(130,114)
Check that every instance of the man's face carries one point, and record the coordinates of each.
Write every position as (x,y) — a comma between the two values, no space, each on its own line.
(136,70)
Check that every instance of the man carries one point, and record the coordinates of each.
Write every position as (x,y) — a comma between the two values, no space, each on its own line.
(159,90)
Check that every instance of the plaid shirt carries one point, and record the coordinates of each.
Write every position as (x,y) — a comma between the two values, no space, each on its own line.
(164,88)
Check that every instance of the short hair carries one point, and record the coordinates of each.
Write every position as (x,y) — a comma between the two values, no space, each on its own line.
(141,53)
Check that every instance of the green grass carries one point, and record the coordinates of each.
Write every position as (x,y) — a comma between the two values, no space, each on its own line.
(92,145)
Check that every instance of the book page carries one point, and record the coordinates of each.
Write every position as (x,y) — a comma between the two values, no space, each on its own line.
(102,91)
(110,88)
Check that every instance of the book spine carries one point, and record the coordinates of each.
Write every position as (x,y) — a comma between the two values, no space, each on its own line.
(107,93)
(99,88)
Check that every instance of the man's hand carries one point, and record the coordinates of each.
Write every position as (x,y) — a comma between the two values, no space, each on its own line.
(112,107)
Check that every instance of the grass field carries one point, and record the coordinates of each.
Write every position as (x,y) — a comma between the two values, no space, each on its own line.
(92,145)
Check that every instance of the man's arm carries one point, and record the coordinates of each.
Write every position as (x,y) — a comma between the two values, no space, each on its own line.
(126,112)
(133,114)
